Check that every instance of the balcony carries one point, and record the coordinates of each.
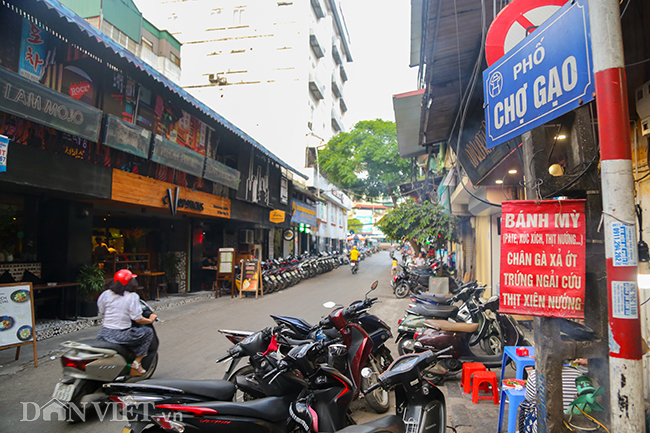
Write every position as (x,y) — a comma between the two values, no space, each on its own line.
(343,105)
(344,74)
(336,53)
(318,8)
(315,87)
(337,87)
(315,45)
(337,123)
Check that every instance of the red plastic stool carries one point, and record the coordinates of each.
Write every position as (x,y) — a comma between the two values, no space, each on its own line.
(489,377)
(466,376)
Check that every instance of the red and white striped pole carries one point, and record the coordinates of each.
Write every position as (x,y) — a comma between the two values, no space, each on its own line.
(625,364)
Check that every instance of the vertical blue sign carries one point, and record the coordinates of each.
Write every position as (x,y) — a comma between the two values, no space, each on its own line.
(4,149)
(546,75)
(33,51)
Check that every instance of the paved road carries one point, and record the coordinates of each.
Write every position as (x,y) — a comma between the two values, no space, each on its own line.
(190,343)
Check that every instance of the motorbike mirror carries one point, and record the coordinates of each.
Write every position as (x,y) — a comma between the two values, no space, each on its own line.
(329,304)
(374,285)
(366,372)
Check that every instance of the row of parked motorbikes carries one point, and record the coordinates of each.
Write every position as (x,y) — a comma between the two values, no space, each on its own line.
(297,376)
(282,273)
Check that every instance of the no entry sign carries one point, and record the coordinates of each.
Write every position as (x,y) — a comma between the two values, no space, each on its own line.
(516,21)
(543,258)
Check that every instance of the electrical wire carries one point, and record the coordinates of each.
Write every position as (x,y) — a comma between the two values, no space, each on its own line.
(625,8)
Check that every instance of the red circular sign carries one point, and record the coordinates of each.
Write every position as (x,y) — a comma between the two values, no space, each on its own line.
(514,23)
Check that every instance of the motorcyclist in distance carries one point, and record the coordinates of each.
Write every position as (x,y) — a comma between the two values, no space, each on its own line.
(354,255)
(119,304)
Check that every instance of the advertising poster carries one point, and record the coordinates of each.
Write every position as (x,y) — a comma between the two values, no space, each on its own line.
(16,321)
(543,258)
(33,51)
(4,149)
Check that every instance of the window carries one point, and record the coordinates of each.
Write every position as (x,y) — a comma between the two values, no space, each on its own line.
(238,16)
(147,44)
(175,59)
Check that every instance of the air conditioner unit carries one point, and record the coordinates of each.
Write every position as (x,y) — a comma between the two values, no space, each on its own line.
(643,107)
(246,237)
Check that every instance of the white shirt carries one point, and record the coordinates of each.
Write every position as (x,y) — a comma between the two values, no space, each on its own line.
(118,311)
(419,261)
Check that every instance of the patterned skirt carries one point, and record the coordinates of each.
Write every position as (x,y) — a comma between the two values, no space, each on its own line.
(136,339)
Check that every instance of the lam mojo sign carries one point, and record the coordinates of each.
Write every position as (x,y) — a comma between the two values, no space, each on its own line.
(543,258)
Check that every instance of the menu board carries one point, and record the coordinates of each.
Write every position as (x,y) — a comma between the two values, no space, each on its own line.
(250,278)
(225,260)
(17,316)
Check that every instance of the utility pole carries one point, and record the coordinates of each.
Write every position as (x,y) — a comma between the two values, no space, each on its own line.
(625,364)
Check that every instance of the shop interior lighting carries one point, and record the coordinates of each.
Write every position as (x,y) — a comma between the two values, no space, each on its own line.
(560,137)
(556,170)
(513,171)
(498,181)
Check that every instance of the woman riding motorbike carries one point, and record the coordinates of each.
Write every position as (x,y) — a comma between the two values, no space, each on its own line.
(119,304)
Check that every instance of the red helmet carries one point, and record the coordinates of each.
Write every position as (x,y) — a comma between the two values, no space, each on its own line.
(124,276)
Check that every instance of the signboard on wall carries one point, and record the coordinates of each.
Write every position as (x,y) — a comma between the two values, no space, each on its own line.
(127,137)
(301,212)
(33,51)
(221,173)
(4,150)
(543,258)
(174,155)
(40,104)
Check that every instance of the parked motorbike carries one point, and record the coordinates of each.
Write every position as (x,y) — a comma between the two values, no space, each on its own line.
(442,334)
(88,364)
(329,390)
(467,312)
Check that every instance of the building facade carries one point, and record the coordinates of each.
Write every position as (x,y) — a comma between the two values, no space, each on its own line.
(276,69)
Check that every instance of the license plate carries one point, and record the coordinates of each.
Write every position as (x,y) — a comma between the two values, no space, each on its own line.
(63,392)
(126,430)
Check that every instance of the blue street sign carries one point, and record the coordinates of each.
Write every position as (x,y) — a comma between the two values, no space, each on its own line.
(547,74)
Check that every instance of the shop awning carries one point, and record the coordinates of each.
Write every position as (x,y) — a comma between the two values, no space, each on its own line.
(408,111)
(112,52)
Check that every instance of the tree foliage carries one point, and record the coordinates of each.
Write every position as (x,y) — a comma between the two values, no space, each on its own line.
(355,224)
(419,223)
(365,161)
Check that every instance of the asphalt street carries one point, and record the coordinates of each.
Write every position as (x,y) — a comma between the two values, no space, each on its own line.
(190,343)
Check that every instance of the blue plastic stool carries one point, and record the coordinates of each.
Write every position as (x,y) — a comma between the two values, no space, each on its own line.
(514,400)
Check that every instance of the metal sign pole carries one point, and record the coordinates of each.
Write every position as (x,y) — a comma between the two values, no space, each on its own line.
(625,364)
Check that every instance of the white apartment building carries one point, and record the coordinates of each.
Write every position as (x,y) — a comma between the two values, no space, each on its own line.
(274,68)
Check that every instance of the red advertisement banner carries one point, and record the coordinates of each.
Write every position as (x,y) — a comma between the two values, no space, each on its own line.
(543,258)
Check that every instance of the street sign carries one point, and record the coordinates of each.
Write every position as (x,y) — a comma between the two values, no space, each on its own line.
(546,75)
(514,23)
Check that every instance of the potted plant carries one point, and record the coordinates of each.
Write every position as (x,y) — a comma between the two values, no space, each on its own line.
(92,281)
(132,239)
(169,264)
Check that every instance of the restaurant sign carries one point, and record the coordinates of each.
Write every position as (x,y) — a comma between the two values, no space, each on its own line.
(277,216)
(173,155)
(40,104)
(543,258)
(221,173)
(303,213)
(127,137)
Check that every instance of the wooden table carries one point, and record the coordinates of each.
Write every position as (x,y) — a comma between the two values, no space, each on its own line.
(149,278)
(44,290)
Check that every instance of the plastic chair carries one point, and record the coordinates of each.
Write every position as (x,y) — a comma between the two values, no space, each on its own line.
(466,376)
(514,400)
(489,377)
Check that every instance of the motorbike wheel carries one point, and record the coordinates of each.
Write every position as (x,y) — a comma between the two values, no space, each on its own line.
(384,358)
(86,388)
(377,399)
(492,345)
(405,346)
(152,367)
(241,395)
(402,290)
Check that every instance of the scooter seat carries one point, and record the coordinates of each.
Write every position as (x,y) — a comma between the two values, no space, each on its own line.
(443,325)
(212,389)
(389,423)
(433,297)
(438,311)
(122,350)
(274,409)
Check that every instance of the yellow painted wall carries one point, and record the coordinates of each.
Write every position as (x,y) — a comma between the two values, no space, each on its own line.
(483,252)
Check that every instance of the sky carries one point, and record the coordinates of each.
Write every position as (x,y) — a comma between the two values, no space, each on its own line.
(380,32)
